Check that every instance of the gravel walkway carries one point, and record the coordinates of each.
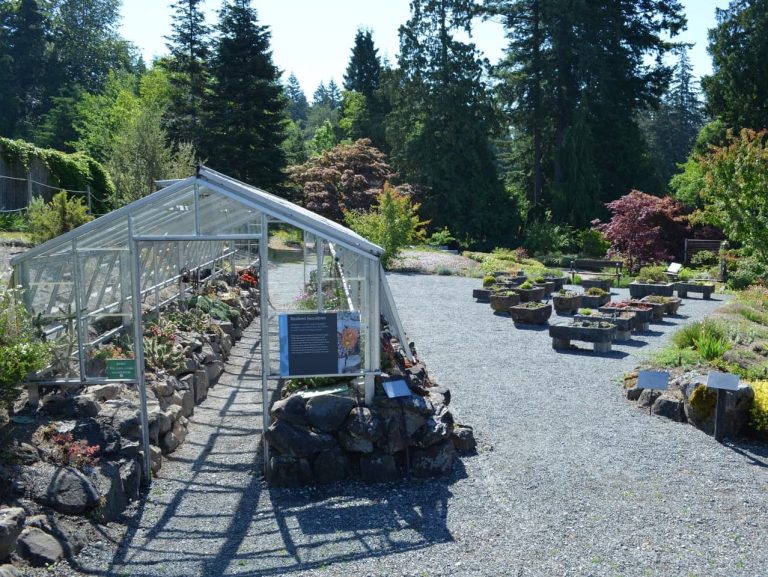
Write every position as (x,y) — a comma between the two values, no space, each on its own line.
(570,479)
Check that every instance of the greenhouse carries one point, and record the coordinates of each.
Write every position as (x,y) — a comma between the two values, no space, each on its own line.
(100,284)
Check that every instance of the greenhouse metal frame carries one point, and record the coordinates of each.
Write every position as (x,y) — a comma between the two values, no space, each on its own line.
(82,287)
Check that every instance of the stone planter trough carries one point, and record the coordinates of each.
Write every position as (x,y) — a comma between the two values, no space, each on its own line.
(566,304)
(643,315)
(549,287)
(658,310)
(624,321)
(638,290)
(593,302)
(528,295)
(601,283)
(705,289)
(531,315)
(591,332)
(482,295)
(501,302)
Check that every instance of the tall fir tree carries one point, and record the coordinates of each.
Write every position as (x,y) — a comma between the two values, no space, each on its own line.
(440,125)
(245,124)
(297,101)
(27,51)
(334,95)
(363,73)
(189,47)
(575,76)
(737,89)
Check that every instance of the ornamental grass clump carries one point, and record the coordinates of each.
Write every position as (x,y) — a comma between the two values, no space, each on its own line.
(596,292)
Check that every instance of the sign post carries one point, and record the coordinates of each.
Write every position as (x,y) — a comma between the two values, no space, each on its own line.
(723,382)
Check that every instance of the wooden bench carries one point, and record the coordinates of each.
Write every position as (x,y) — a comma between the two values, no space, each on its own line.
(596,266)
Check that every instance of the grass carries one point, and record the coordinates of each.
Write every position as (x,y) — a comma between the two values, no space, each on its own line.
(17,236)
(505,260)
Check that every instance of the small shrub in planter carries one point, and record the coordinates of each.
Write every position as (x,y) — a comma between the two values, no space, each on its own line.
(503,300)
(595,297)
(704,288)
(601,283)
(529,292)
(488,280)
(599,332)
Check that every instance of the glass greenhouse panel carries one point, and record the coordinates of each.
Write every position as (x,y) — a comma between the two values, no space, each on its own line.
(223,215)
(170,215)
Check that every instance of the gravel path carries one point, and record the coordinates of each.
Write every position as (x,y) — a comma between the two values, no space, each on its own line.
(570,479)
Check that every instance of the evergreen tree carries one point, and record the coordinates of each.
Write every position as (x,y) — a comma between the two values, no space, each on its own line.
(321,95)
(671,129)
(188,64)
(87,44)
(297,101)
(364,68)
(27,52)
(737,90)
(334,95)
(440,125)
(574,78)
(246,121)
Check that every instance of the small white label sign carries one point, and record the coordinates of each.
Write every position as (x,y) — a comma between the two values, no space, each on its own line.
(725,381)
(653,380)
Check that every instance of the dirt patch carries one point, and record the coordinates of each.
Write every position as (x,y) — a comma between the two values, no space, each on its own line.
(434,262)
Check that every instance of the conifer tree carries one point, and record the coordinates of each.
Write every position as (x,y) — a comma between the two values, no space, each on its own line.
(246,108)
(189,47)
(364,69)
(441,123)
(297,101)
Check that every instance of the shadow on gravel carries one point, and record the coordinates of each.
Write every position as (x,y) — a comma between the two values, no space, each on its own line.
(534,328)
(755,453)
(361,521)
(634,343)
(583,352)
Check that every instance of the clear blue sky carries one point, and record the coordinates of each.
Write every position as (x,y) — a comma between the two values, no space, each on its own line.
(313,38)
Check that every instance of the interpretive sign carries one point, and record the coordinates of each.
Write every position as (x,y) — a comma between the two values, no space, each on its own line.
(319,343)
(396,388)
(653,380)
(121,369)
(724,381)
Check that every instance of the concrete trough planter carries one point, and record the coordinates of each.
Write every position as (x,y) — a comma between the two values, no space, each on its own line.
(558,280)
(624,321)
(638,290)
(568,303)
(481,295)
(601,283)
(548,287)
(658,310)
(671,304)
(600,334)
(594,301)
(529,295)
(643,313)
(501,303)
(702,288)
(531,313)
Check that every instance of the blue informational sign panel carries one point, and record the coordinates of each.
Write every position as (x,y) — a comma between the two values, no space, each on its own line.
(724,381)
(658,380)
(319,343)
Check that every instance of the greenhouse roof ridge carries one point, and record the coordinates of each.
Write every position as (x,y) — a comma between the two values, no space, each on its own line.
(241,192)
(286,210)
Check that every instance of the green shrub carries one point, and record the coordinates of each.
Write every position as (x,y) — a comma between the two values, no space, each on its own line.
(62,214)
(488,280)
(527,285)
(749,270)
(758,412)
(711,346)
(13,222)
(652,274)
(441,238)
(673,357)
(704,258)
(686,337)
(544,236)
(21,352)
(596,292)
(393,224)
(593,243)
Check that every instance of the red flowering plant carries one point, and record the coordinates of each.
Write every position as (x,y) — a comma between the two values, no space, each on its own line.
(645,228)
(248,278)
(64,450)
